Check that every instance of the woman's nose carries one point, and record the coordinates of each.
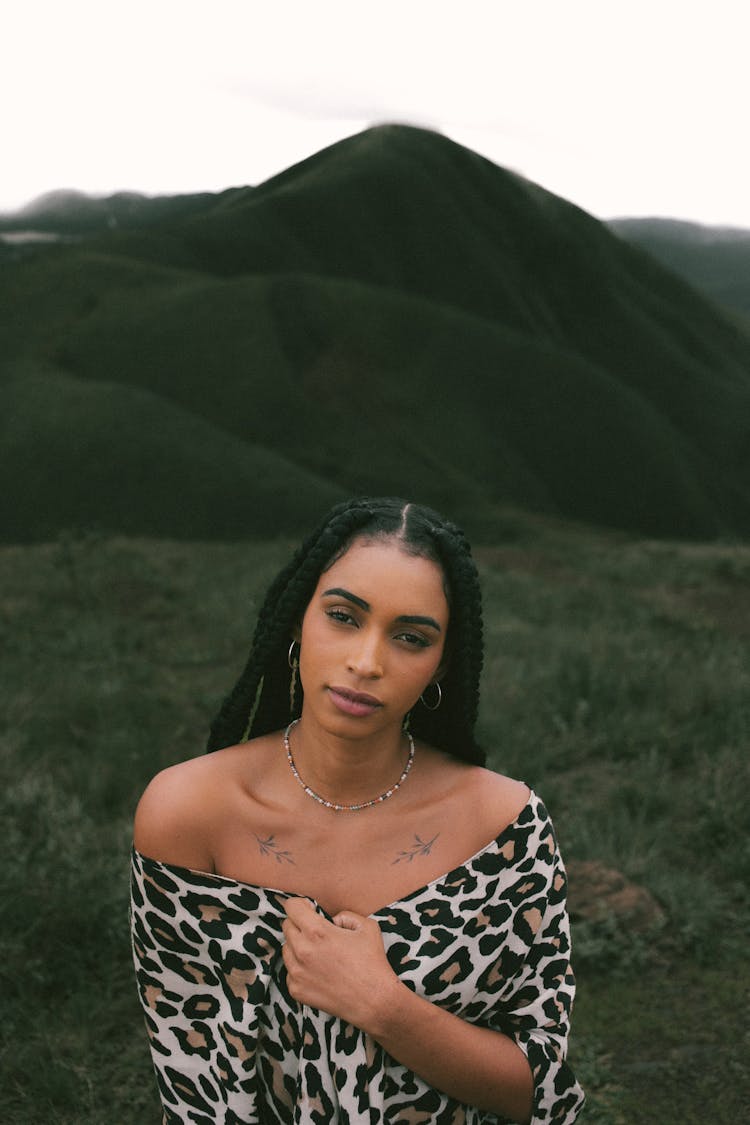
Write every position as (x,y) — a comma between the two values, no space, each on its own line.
(365,656)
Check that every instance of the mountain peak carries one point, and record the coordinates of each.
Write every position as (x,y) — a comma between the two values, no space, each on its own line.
(398,314)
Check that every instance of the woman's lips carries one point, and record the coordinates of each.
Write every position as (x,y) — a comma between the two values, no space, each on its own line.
(353,702)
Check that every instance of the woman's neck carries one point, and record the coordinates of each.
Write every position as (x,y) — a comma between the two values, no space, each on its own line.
(346,770)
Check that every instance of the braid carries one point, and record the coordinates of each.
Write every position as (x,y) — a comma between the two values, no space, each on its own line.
(259,701)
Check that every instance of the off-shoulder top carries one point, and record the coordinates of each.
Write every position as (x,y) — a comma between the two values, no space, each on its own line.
(488,941)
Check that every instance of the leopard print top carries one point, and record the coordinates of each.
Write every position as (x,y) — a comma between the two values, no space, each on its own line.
(488,941)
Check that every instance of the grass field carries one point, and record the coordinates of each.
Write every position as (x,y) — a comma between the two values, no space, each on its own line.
(617,683)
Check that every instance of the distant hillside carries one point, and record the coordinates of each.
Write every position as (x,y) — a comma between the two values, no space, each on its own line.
(716,260)
(69,213)
(395,313)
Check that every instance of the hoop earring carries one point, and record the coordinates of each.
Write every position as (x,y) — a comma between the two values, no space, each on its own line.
(435,706)
(293,662)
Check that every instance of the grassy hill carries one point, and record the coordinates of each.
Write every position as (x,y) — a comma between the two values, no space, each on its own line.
(393,314)
(110,439)
(715,260)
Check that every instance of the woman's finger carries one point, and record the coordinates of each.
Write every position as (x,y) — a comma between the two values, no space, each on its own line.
(299,910)
(347,920)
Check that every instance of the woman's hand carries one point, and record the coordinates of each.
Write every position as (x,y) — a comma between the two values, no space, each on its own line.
(339,966)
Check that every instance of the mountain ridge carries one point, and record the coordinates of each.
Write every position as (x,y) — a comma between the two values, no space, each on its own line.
(397,313)
(715,260)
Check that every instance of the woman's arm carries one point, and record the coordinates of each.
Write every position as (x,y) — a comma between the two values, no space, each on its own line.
(471,1064)
(341,968)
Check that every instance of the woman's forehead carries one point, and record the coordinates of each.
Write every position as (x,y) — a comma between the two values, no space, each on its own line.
(381,566)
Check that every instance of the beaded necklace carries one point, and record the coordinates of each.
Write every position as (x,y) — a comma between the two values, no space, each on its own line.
(332,804)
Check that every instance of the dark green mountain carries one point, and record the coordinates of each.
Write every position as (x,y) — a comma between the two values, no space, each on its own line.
(716,260)
(394,314)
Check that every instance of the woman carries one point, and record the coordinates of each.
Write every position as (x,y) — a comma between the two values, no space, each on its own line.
(339,914)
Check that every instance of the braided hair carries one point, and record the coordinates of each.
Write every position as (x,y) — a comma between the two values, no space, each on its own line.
(259,701)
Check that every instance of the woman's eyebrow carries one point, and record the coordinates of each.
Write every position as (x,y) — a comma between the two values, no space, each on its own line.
(404,618)
(340,592)
(418,619)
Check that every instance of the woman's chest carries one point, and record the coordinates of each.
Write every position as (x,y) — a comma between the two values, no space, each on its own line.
(343,865)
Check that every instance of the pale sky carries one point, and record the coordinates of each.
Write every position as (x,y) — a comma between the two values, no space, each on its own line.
(624,108)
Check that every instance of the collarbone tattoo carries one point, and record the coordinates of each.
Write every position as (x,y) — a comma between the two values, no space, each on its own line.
(268,846)
(418,848)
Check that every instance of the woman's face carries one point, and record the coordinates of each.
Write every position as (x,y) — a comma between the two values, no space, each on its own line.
(372,637)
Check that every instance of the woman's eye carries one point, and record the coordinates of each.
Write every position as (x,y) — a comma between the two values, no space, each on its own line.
(414,639)
(340,615)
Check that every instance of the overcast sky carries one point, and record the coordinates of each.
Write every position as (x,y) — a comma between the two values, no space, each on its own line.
(625,108)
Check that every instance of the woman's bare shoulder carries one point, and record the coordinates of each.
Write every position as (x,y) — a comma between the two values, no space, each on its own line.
(491,799)
(176,816)
(501,798)
(498,786)
(169,820)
